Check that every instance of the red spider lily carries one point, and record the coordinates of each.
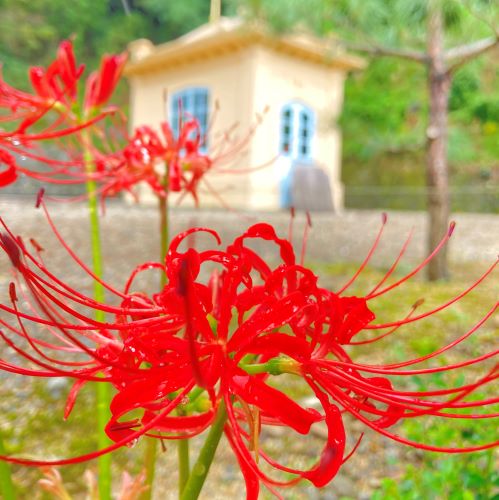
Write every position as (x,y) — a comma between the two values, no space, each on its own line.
(168,163)
(54,110)
(56,84)
(55,89)
(198,343)
(165,163)
(147,353)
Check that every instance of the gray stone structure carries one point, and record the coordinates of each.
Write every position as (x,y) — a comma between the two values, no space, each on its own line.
(310,188)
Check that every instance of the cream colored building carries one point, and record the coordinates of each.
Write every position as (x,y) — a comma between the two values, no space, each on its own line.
(241,70)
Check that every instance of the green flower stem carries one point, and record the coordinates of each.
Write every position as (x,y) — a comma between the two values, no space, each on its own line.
(182,444)
(202,466)
(103,392)
(7,491)
(163,232)
(183,464)
(150,457)
(151,452)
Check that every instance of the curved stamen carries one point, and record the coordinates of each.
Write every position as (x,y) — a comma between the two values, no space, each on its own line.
(418,268)
(384,218)
(394,265)
(436,309)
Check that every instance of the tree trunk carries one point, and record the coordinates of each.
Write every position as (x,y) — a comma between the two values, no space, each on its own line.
(437,169)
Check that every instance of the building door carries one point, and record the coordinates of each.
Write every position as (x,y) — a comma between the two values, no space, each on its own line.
(296,142)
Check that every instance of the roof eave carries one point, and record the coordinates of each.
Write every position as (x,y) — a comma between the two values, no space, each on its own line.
(178,53)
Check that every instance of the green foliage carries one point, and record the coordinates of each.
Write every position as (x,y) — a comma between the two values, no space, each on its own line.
(30,30)
(470,476)
(176,18)
(391,22)
(6,485)
(384,110)
(433,475)
(464,87)
(384,121)
(486,109)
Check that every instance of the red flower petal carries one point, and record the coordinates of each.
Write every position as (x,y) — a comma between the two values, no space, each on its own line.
(273,402)
(8,175)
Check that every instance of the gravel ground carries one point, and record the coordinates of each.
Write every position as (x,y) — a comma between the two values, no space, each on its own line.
(333,238)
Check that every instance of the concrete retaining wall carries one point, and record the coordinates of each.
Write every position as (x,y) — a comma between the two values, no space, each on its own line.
(130,233)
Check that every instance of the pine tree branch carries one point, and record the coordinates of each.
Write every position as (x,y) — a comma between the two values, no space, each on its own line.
(463,53)
(380,51)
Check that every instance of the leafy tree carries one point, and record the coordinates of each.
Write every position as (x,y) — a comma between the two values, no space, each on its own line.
(426,32)
(30,30)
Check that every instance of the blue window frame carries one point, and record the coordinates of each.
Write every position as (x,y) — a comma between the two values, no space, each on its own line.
(194,103)
(297,131)
(286,130)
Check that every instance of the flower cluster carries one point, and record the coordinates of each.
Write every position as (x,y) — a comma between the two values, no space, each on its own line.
(170,162)
(165,162)
(215,347)
(53,113)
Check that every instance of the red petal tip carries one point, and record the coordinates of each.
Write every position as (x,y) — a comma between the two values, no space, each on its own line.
(384,217)
(39,197)
(11,248)
(418,303)
(309,219)
(12,292)
(36,245)
(452,225)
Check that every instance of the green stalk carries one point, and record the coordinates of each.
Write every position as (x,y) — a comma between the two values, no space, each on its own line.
(7,491)
(163,233)
(182,444)
(150,457)
(206,455)
(103,392)
(151,452)
(183,464)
